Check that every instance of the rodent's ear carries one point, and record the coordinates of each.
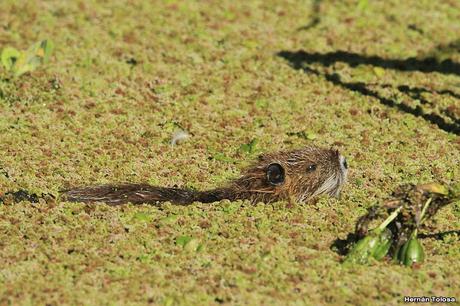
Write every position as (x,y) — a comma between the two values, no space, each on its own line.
(275,174)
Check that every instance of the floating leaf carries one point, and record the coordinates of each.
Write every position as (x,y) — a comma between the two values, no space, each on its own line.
(35,56)
(183,240)
(9,57)
(249,147)
(307,135)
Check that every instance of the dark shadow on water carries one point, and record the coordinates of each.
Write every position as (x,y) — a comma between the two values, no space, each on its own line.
(440,236)
(20,195)
(416,92)
(342,246)
(24,195)
(429,64)
(302,60)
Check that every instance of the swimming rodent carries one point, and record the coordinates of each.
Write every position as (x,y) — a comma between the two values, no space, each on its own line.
(288,175)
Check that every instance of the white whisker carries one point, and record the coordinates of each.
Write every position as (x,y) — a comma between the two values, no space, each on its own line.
(327,186)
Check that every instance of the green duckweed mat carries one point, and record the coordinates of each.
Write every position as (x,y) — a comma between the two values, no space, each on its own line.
(380,81)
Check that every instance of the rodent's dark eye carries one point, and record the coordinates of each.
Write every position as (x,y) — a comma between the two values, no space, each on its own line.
(275,174)
(311,168)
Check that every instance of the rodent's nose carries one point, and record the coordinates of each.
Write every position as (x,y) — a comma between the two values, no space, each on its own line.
(343,162)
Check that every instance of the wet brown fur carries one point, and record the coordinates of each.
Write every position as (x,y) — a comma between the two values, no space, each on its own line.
(300,183)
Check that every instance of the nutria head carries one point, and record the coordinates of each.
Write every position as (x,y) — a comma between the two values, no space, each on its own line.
(300,174)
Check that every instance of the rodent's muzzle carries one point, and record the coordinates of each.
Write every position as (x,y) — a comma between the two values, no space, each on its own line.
(343,174)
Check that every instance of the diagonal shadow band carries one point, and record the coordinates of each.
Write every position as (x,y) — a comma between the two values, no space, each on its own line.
(440,236)
(417,92)
(429,64)
(300,60)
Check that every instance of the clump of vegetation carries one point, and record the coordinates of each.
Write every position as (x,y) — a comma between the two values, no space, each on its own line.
(21,62)
(410,206)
